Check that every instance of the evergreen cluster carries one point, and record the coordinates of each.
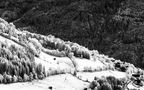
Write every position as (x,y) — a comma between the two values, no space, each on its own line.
(18,64)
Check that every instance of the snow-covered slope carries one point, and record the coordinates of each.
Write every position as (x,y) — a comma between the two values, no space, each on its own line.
(65,65)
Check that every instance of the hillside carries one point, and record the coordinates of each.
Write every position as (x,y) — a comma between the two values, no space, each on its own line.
(30,54)
(41,62)
(114,28)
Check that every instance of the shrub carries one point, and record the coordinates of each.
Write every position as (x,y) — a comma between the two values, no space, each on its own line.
(7,53)
(7,78)
(41,76)
(60,46)
(13,49)
(106,86)
(39,69)
(20,79)
(123,68)
(31,77)
(1,78)
(79,53)
(16,71)
(14,79)
(112,80)
(10,68)
(35,76)
(101,81)
(33,50)
(70,55)
(27,69)
(30,56)
(3,65)
(36,43)
(25,78)
(86,54)
(118,87)
(94,84)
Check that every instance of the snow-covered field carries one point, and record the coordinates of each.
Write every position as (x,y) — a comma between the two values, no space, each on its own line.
(89,76)
(85,64)
(55,63)
(57,82)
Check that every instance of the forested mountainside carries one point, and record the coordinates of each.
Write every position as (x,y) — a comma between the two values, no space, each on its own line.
(113,27)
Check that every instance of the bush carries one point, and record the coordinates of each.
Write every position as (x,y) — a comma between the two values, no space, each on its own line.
(94,84)
(33,50)
(20,79)
(1,78)
(39,69)
(7,78)
(106,86)
(14,79)
(35,76)
(25,78)
(41,76)
(86,54)
(31,77)
(112,80)
(123,69)
(118,87)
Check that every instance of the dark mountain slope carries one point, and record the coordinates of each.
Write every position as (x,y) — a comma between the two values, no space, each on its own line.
(78,21)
